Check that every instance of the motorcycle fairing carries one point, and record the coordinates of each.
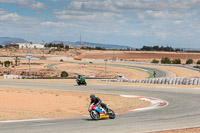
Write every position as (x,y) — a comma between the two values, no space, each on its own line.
(104,116)
(99,110)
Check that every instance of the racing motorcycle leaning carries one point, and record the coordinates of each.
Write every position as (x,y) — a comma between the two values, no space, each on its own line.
(81,82)
(97,112)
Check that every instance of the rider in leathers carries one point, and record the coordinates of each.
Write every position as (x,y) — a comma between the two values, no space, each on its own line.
(97,101)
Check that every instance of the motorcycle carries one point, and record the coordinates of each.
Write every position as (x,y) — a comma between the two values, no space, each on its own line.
(97,112)
(81,82)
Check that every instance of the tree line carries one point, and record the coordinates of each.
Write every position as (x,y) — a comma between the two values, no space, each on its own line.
(58,46)
(159,48)
(61,46)
(95,48)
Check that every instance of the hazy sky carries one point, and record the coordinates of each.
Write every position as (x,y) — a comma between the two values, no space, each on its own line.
(126,22)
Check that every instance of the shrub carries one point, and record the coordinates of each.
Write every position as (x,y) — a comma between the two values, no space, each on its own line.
(66,47)
(197,67)
(198,62)
(58,49)
(155,61)
(165,60)
(7,63)
(176,61)
(189,61)
(64,74)
(1,63)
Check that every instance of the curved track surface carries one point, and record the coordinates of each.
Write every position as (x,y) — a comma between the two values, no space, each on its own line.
(183,111)
(159,72)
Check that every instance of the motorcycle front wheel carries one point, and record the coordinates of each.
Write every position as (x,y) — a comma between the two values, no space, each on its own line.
(94,115)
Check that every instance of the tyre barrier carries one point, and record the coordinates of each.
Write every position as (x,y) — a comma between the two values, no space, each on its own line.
(171,81)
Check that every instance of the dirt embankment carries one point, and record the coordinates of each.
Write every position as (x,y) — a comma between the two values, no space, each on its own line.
(40,52)
(139,56)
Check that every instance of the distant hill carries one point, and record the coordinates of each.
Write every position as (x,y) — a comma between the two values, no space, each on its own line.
(189,49)
(107,46)
(5,40)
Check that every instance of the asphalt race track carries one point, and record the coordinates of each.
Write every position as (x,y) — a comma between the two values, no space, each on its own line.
(159,72)
(183,111)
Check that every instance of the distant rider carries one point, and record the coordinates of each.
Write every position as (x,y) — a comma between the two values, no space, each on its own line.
(97,101)
(80,78)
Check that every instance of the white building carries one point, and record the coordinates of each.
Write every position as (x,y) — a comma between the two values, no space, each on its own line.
(25,45)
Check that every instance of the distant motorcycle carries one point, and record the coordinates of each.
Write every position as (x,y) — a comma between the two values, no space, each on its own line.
(97,112)
(81,82)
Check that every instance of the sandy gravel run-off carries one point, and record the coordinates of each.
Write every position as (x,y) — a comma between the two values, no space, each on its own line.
(189,130)
(17,104)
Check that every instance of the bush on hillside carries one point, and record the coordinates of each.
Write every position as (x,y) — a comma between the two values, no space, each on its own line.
(1,63)
(155,61)
(189,61)
(198,62)
(197,67)
(64,74)
(176,61)
(165,60)
(7,63)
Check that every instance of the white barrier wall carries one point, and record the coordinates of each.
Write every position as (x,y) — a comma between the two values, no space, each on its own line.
(12,77)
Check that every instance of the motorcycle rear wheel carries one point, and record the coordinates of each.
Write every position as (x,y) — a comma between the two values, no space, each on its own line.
(111,114)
